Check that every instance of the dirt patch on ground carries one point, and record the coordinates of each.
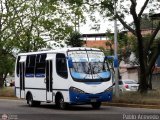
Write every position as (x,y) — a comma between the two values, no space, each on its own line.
(7,92)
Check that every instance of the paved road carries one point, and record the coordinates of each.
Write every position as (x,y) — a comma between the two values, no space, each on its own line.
(17,109)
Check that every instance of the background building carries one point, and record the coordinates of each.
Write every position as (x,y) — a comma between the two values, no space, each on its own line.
(97,40)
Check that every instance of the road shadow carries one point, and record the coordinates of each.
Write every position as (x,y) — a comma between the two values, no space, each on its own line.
(70,107)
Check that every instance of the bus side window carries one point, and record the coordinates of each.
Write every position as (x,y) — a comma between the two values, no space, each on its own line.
(61,66)
(40,65)
(30,65)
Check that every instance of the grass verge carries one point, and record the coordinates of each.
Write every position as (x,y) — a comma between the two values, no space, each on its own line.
(151,98)
(7,92)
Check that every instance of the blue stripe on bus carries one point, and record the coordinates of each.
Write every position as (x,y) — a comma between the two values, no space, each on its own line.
(29,75)
(40,75)
(36,75)
(77,98)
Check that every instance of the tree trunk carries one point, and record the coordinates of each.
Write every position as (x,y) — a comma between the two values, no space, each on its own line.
(1,81)
(143,82)
(141,53)
(150,78)
(143,87)
(150,82)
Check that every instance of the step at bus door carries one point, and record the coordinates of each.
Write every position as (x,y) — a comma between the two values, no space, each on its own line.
(49,80)
(22,80)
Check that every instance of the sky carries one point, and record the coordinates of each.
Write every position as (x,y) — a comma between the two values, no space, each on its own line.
(105,24)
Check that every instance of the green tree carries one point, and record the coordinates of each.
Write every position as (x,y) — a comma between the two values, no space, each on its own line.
(32,22)
(147,51)
(25,23)
(6,66)
(74,40)
(6,34)
(65,15)
(134,46)
(124,45)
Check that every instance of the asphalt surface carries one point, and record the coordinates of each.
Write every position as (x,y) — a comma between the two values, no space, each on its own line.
(19,110)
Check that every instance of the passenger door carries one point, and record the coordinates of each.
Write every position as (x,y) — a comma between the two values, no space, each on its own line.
(22,79)
(49,80)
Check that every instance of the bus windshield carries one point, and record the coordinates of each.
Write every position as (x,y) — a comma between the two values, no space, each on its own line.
(89,66)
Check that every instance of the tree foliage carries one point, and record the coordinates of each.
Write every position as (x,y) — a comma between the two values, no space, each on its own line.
(6,66)
(74,40)
(28,25)
(38,19)
(147,55)
(125,45)
(6,57)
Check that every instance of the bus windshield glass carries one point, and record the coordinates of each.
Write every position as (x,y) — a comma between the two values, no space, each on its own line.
(89,66)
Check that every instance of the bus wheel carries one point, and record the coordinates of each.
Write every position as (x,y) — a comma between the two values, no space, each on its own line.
(96,105)
(61,104)
(31,102)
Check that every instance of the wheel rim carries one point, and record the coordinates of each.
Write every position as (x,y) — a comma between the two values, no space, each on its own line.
(30,101)
(61,103)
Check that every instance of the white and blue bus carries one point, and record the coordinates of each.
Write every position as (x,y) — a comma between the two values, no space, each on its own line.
(66,76)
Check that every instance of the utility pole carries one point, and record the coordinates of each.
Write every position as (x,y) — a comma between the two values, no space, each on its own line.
(116,66)
(77,26)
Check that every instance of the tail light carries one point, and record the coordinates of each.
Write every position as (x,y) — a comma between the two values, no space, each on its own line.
(126,86)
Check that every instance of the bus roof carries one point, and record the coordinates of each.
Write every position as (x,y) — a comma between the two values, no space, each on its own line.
(62,50)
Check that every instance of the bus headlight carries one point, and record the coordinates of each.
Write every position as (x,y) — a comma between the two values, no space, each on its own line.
(76,90)
(110,89)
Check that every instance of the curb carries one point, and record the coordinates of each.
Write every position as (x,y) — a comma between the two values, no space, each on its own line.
(132,105)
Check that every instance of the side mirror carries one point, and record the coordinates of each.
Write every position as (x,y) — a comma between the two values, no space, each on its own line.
(70,63)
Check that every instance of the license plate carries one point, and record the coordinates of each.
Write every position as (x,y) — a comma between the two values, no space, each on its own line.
(93,100)
(134,87)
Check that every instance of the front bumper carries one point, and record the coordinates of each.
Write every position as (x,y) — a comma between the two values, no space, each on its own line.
(78,98)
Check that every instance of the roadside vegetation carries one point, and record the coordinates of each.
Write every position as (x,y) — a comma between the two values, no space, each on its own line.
(7,92)
(151,98)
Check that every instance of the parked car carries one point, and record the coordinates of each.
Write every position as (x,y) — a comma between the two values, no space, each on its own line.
(127,85)
(6,83)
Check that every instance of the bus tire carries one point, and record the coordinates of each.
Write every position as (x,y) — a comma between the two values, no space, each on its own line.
(60,102)
(31,102)
(96,105)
